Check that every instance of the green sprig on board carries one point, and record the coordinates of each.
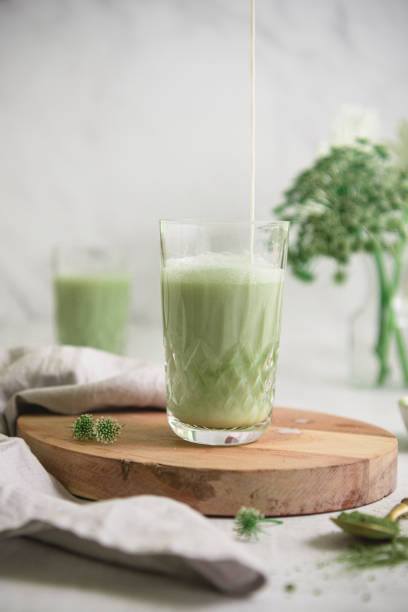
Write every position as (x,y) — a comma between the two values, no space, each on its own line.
(83,427)
(249,523)
(354,200)
(105,430)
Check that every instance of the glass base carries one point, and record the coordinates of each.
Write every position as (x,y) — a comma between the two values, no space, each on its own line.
(217,437)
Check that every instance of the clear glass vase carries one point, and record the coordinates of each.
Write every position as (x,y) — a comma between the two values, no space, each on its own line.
(379,327)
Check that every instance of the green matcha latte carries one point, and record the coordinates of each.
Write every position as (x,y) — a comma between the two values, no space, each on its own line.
(221,321)
(93,310)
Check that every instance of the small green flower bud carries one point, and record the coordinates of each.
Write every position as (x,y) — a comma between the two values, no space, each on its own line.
(83,427)
(107,430)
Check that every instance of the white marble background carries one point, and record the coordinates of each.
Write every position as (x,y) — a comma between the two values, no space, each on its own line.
(114,113)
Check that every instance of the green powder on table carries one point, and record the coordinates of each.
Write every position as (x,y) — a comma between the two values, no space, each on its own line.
(368,554)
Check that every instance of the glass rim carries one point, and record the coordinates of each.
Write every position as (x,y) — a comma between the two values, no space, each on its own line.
(212,222)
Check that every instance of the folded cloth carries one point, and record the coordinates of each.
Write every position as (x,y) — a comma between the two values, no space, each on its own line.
(71,380)
(145,532)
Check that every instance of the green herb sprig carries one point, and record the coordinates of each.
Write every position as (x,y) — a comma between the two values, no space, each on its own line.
(83,427)
(351,200)
(249,523)
(354,200)
(105,430)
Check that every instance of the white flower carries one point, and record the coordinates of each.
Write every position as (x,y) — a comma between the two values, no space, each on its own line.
(350,123)
(400,146)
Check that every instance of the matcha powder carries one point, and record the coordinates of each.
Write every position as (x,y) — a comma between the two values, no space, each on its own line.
(375,554)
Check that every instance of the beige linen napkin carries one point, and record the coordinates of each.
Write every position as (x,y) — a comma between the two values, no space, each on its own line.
(145,532)
(71,380)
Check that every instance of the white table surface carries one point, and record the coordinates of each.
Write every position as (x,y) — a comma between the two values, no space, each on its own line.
(35,577)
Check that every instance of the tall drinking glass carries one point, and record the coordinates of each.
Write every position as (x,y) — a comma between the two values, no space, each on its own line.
(222,288)
(92,295)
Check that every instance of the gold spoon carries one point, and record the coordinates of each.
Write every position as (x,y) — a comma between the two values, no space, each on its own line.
(374,530)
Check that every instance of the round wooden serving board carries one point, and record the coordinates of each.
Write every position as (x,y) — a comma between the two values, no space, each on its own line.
(306,462)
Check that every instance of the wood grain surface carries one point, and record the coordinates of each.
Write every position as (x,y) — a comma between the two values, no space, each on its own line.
(333,463)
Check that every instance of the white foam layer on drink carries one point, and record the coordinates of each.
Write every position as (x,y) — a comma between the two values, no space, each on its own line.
(222,268)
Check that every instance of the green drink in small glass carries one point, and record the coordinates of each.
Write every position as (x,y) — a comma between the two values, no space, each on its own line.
(92,294)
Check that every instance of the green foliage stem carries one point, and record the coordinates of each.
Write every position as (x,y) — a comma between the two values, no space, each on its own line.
(388,324)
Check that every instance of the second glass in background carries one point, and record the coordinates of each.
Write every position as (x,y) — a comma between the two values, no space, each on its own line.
(92,296)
